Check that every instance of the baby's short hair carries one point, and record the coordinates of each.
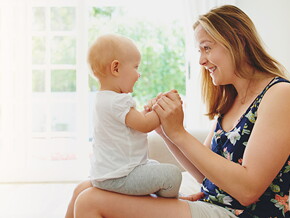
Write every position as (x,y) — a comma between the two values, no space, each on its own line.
(103,51)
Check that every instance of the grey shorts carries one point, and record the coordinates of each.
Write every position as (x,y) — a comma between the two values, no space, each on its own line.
(201,209)
(153,178)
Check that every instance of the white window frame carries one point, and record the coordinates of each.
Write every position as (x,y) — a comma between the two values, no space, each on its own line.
(15,137)
(19,168)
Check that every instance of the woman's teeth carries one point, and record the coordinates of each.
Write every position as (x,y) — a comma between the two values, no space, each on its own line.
(211,70)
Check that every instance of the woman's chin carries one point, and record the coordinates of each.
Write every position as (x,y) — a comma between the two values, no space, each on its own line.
(214,80)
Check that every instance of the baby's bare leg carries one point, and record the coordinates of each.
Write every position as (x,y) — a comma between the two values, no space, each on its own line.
(80,188)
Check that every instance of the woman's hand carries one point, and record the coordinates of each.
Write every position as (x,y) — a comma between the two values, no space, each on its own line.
(148,108)
(170,112)
(151,102)
(194,197)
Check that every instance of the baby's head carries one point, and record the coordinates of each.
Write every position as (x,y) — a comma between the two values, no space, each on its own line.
(108,48)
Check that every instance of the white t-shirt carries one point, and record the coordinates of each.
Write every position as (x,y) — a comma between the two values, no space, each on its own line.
(117,149)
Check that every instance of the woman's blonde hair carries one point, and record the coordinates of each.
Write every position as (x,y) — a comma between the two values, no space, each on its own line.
(231,27)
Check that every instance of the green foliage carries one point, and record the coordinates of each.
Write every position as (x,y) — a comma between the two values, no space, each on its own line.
(38,50)
(93,83)
(38,21)
(63,50)
(38,80)
(162,48)
(63,80)
(62,18)
(103,12)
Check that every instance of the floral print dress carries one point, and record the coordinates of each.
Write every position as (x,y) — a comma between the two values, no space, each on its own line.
(231,145)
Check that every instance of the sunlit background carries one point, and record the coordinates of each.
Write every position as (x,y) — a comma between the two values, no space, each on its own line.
(46,90)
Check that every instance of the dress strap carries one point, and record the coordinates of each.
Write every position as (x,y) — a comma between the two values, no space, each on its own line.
(273,82)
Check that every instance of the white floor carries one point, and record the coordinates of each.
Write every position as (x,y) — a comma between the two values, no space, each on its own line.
(34,200)
(50,200)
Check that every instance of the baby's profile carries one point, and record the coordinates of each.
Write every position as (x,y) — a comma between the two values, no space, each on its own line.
(120,149)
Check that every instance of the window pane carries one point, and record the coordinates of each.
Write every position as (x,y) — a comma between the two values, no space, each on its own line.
(38,116)
(103,20)
(63,117)
(63,50)
(38,80)
(38,19)
(38,50)
(63,80)
(93,83)
(62,19)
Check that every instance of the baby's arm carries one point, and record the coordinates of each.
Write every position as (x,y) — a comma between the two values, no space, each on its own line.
(147,120)
(142,121)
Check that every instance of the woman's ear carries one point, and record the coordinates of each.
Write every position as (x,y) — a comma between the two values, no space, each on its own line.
(115,67)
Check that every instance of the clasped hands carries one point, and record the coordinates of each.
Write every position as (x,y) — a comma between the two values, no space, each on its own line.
(151,103)
(168,107)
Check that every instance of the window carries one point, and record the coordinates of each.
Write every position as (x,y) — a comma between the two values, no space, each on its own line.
(47,92)
(53,85)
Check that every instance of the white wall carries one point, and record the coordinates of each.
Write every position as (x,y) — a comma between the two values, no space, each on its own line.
(272,20)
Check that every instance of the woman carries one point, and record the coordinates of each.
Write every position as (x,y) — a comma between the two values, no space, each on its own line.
(243,164)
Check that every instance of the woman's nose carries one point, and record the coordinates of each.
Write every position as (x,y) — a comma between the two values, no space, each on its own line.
(202,60)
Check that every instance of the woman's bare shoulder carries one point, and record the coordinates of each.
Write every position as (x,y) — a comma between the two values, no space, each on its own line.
(275,106)
(277,93)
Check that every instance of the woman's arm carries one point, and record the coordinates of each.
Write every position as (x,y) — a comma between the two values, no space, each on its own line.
(182,159)
(266,151)
(179,156)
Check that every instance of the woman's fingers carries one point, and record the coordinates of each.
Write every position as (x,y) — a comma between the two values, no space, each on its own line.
(160,94)
(153,101)
(194,197)
(168,104)
(169,110)
(164,102)
(174,96)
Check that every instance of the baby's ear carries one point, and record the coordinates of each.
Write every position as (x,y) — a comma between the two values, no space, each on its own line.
(115,67)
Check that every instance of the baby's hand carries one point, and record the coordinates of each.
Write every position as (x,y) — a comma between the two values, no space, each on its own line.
(151,102)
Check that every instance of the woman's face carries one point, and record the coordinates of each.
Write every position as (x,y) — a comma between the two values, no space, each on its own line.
(215,58)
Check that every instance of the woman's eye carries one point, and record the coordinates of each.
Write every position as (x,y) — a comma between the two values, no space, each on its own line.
(206,48)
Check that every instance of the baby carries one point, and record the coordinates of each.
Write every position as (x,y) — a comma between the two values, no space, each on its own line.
(120,149)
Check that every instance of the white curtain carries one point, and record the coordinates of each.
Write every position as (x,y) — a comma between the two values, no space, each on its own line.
(14,59)
(195,109)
